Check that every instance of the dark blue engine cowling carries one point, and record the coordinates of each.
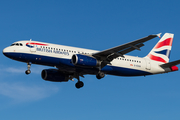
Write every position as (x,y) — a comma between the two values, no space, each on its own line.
(54,75)
(84,61)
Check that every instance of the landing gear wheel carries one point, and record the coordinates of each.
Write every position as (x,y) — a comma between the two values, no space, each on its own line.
(28,72)
(79,84)
(100,75)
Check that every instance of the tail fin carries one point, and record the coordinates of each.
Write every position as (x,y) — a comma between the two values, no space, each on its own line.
(162,49)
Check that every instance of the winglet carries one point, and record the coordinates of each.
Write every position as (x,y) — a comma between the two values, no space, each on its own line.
(159,35)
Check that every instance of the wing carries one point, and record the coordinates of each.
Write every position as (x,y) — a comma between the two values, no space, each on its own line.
(108,55)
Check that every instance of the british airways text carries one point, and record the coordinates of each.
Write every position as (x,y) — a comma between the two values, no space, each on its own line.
(52,51)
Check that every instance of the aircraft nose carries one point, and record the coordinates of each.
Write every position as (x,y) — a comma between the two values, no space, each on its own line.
(5,51)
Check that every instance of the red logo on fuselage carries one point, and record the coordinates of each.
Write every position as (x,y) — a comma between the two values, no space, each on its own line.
(31,44)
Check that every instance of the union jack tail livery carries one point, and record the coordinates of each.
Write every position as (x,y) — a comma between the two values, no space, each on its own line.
(162,49)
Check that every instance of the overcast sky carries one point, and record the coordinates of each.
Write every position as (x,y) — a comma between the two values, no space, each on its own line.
(93,24)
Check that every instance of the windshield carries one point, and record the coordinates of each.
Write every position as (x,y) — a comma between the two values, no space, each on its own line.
(17,44)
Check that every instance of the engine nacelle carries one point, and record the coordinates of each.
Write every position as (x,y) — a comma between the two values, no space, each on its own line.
(54,75)
(84,61)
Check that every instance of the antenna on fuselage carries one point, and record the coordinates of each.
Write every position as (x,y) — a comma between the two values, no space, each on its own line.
(30,39)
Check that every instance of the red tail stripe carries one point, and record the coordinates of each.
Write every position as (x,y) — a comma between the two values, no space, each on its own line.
(167,42)
(152,57)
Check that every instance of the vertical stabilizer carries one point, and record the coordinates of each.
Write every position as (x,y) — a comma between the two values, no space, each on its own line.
(162,49)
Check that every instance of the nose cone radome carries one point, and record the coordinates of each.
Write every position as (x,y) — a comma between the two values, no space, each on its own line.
(6,51)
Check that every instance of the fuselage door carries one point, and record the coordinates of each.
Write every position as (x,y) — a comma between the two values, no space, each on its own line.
(148,64)
(33,48)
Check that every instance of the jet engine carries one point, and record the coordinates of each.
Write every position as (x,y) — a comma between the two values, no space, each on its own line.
(84,61)
(54,75)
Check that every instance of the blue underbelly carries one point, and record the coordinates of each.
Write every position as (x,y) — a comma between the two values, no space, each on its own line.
(66,63)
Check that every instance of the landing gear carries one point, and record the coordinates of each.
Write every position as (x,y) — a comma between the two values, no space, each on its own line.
(28,71)
(100,75)
(79,84)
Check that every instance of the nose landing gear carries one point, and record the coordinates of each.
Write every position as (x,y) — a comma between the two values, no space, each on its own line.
(28,71)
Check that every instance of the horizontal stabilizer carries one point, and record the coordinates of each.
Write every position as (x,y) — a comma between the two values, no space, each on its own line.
(170,64)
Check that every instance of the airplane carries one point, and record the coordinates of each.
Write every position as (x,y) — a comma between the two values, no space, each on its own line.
(72,62)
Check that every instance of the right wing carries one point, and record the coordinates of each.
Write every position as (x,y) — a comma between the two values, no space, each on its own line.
(108,55)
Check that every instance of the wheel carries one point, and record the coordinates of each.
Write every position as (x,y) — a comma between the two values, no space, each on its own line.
(28,72)
(100,75)
(79,84)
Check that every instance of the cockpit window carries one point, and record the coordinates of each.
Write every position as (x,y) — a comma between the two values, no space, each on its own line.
(13,44)
(17,44)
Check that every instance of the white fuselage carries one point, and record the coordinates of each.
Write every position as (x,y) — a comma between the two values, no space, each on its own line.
(60,55)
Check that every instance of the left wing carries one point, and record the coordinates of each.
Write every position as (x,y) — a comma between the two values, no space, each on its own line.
(108,55)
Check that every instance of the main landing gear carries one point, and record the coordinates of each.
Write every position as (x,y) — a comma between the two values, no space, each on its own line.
(100,75)
(28,71)
(79,84)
